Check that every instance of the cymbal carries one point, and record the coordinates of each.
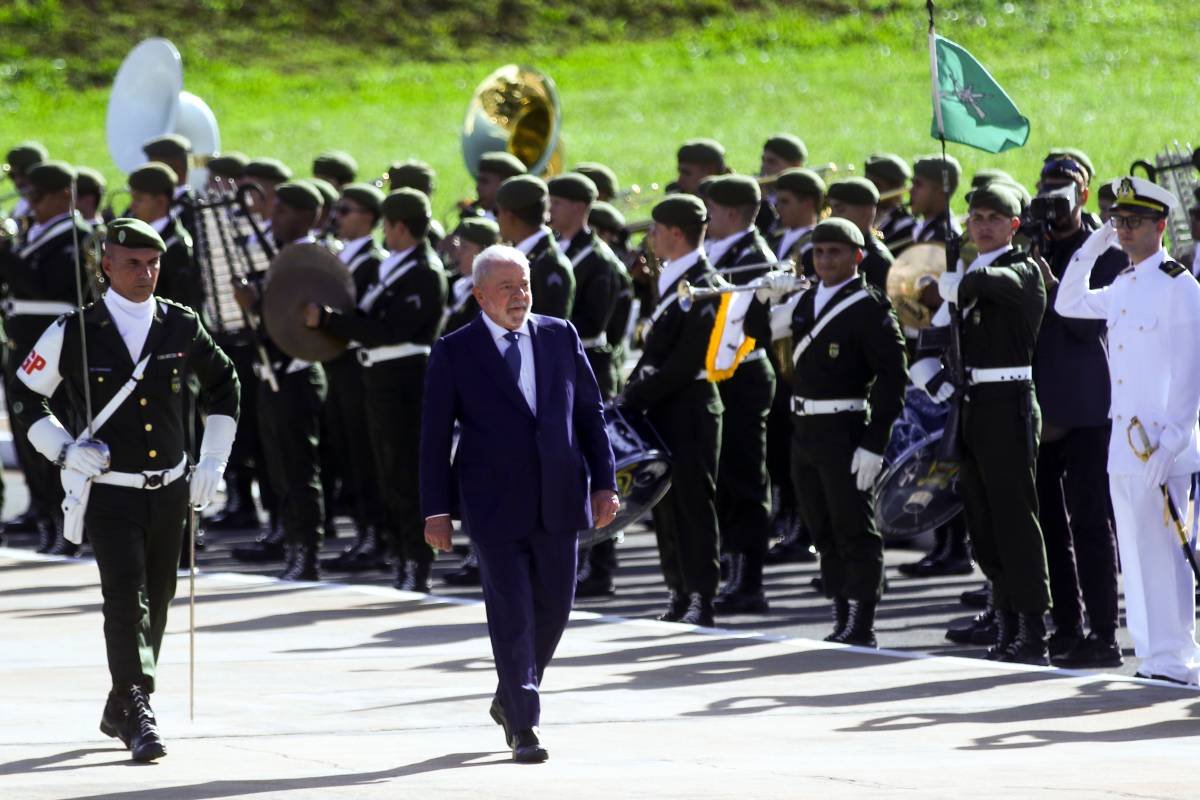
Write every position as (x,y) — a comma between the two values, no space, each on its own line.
(909,279)
(301,274)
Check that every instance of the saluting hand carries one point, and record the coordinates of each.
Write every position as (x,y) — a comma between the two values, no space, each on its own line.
(437,532)
(605,505)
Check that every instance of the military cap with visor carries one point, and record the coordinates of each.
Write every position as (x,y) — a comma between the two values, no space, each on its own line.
(1142,196)
(998,197)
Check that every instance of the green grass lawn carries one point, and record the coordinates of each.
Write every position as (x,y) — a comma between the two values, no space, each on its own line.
(1116,77)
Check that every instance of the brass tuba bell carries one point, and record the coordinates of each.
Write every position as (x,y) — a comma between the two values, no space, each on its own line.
(515,109)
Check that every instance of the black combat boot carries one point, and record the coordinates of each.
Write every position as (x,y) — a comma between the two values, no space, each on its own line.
(795,547)
(145,743)
(860,625)
(1029,645)
(61,547)
(977,598)
(267,547)
(114,720)
(980,630)
(841,611)
(413,576)
(699,611)
(350,560)
(1064,639)
(743,594)
(467,574)
(677,606)
(239,512)
(303,564)
(1006,631)
(46,534)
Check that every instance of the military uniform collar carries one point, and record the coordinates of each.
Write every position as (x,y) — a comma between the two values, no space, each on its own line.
(36,231)
(530,243)
(718,249)
(989,258)
(355,248)
(1151,263)
(161,224)
(672,271)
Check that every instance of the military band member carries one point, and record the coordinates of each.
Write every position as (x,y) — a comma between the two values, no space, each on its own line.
(396,324)
(21,159)
(1002,297)
(494,169)
(335,167)
(890,173)
(41,276)
(151,190)
(930,199)
(356,217)
(416,174)
(605,179)
(670,384)
(265,173)
(323,231)
(521,211)
(289,421)
(609,225)
(855,199)
(225,170)
(847,390)
(175,151)
(799,199)
(743,486)
(1153,314)
(89,195)
(782,151)
(136,460)
(474,236)
(697,159)
(596,268)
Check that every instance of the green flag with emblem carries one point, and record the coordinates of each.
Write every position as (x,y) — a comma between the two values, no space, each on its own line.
(969,107)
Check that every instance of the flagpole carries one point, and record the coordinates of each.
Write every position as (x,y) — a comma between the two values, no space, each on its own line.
(933,78)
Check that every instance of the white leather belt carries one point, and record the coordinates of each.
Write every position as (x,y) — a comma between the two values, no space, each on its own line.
(150,479)
(368,356)
(757,354)
(35,308)
(804,407)
(595,341)
(999,375)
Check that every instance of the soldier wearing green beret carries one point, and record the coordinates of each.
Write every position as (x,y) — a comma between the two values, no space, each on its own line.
(415,174)
(521,211)
(799,200)
(670,384)
(890,173)
(609,225)
(782,151)
(605,179)
(695,160)
(128,476)
(396,323)
(1003,297)
(228,166)
(289,421)
(472,236)
(265,173)
(323,231)
(747,388)
(494,169)
(934,182)
(40,271)
(847,390)
(336,167)
(89,195)
(175,151)
(855,199)
(20,160)
(151,191)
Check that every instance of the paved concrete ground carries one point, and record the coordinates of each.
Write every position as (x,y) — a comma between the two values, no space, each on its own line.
(333,691)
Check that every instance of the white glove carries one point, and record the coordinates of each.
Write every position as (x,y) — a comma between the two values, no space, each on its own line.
(948,286)
(1158,467)
(865,466)
(215,447)
(776,285)
(1101,239)
(943,393)
(923,371)
(87,457)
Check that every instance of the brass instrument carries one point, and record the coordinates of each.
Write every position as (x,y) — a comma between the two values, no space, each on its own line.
(688,294)
(912,284)
(515,109)
(825,171)
(1175,170)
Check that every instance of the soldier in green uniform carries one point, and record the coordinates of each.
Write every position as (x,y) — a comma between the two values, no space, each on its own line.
(494,169)
(605,179)
(782,151)
(855,199)
(799,200)
(670,384)
(335,167)
(521,210)
(396,323)
(743,486)
(323,230)
(416,174)
(609,225)
(89,195)
(151,190)
(847,390)
(127,475)
(696,160)
(175,151)
(1002,297)
(473,235)
(890,173)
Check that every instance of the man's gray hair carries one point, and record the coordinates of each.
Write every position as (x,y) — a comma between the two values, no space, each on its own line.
(494,256)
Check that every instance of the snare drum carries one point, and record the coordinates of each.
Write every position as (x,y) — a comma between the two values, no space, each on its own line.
(643,466)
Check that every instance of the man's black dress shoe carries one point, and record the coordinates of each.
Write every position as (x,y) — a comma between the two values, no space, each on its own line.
(498,715)
(1094,651)
(527,747)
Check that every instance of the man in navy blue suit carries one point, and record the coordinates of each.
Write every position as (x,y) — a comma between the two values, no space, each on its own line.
(531,441)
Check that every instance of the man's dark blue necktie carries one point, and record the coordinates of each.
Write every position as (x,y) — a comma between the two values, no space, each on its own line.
(512,356)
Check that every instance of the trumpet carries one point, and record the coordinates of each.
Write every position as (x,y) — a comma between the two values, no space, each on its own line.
(689,294)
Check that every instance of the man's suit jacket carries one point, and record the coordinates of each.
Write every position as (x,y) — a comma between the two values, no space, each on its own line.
(516,473)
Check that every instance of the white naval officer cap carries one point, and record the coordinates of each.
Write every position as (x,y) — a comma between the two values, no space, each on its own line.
(1138,194)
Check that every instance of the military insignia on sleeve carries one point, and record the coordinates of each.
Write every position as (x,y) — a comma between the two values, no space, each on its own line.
(1172,268)
(33,363)
(176,384)
(835,350)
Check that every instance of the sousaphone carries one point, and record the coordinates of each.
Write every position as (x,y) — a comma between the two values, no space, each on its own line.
(515,110)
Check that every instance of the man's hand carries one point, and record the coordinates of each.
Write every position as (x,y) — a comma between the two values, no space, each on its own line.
(948,286)
(87,457)
(865,466)
(437,532)
(203,484)
(775,286)
(605,505)
(1047,273)
(312,316)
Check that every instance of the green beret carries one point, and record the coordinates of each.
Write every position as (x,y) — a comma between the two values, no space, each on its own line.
(153,178)
(329,192)
(51,176)
(1020,191)
(89,181)
(228,165)
(836,229)
(25,155)
(1106,192)
(789,148)
(735,191)
(268,169)
(478,230)
(170,145)
(997,197)
(412,174)
(1076,155)
(988,175)
(680,211)
(801,182)
(930,168)
(406,204)
(365,195)
(129,232)
(706,152)
(521,191)
(854,192)
(703,186)
(500,163)
(604,178)
(604,215)
(573,186)
(338,165)
(299,194)
(889,168)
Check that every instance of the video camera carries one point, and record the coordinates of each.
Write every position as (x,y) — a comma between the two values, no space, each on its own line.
(1053,206)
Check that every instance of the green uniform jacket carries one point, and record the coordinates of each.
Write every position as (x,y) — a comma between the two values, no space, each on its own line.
(597,282)
(552,279)
(1002,306)
(179,280)
(877,260)
(44,270)
(148,431)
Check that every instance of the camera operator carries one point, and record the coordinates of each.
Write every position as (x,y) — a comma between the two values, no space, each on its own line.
(1071,378)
